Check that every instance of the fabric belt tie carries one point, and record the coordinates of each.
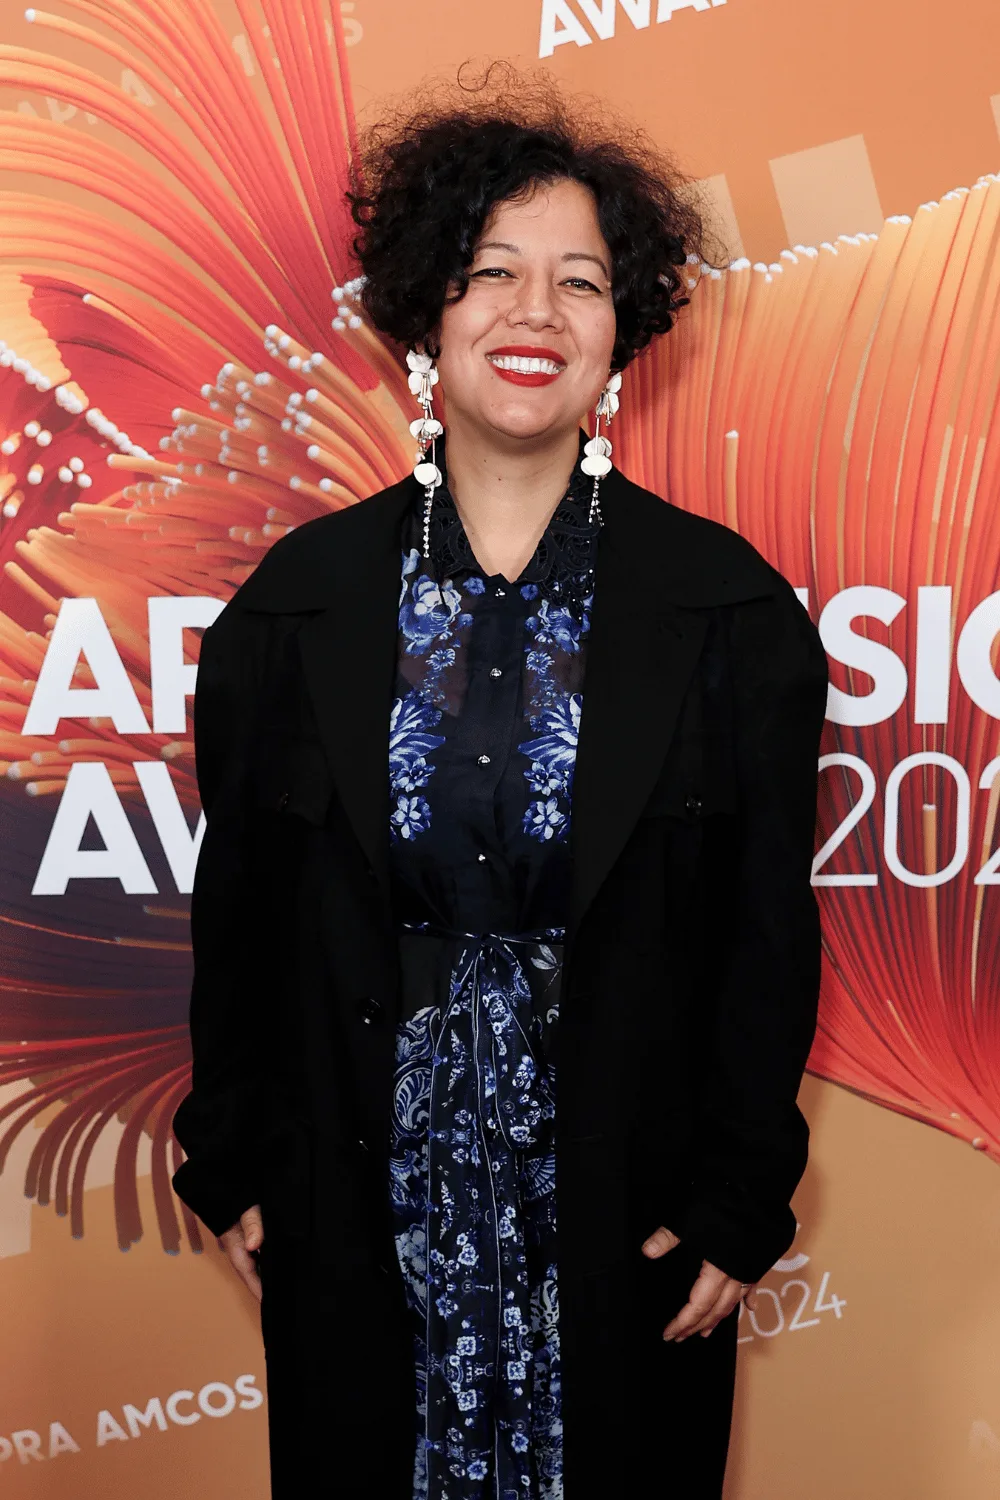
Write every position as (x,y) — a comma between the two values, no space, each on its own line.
(490,1208)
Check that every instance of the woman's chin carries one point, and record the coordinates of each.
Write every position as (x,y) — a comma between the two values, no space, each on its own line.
(531,421)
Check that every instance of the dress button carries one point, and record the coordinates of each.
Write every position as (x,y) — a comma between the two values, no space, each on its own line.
(370,1010)
(693,804)
(495,672)
(283,800)
(481,858)
(484,760)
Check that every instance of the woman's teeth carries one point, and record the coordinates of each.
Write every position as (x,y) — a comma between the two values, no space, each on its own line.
(524,366)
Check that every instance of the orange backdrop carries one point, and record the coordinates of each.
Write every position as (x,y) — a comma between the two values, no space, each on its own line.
(170,232)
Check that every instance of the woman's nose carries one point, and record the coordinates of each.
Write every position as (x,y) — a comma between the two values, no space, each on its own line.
(535,307)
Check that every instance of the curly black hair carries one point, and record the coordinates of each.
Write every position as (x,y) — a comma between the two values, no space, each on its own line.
(430,172)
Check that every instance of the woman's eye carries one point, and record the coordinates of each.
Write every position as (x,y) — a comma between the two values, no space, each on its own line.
(494,273)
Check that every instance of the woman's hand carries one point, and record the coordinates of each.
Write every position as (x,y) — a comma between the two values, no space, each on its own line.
(239,1242)
(713,1296)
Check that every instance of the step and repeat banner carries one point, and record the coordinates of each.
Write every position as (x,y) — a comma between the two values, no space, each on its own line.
(185,374)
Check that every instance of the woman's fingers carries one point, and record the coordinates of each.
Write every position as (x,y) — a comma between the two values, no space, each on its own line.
(660,1242)
(704,1296)
(252,1225)
(239,1242)
(245,1267)
(713,1297)
(731,1296)
(728,1298)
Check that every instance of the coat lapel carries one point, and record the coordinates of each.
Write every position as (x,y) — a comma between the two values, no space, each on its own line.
(659,570)
(639,664)
(348,652)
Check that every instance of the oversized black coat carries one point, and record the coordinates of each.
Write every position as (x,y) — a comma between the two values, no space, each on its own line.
(689,989)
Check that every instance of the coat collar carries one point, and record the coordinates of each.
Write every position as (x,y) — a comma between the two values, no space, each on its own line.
(677,557)
(659,569)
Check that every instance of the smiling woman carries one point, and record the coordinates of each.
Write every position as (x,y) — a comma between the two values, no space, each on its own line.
(510,771)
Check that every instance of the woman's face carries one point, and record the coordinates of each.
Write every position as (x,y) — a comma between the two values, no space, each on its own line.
(539,289)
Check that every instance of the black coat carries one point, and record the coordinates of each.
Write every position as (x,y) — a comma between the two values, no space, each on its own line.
(689,990)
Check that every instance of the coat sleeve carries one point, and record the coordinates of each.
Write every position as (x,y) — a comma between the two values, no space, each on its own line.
(754,1137)
(219,1123)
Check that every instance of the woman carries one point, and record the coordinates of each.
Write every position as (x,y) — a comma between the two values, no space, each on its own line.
(504,898)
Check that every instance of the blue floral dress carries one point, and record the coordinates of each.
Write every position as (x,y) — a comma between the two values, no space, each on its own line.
(482,750)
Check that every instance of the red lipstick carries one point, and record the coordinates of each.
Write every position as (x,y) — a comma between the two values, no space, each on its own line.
(528,351)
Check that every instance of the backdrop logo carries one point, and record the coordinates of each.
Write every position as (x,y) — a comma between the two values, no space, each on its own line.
(561,24)
(83,678)
(81,646)
(778,1312)
(183,1408)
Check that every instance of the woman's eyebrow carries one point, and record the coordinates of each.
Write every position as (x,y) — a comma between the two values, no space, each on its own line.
(570,254)
(582,255)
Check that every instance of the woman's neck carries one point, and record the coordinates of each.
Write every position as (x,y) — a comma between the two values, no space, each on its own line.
(506,493)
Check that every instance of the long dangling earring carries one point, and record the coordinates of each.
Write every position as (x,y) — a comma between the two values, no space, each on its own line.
(426,429)
(597,449)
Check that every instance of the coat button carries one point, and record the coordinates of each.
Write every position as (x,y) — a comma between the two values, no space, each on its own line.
(371,1010)
(283,800)
(693,805)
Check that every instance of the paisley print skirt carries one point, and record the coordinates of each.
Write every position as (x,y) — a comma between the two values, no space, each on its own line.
(474,1209)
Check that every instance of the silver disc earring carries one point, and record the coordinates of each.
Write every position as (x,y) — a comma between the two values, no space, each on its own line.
(426,429)
(597,450)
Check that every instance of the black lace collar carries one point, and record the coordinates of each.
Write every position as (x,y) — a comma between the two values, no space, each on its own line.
(562,566)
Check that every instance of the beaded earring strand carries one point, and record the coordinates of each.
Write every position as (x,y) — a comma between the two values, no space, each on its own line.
(426,429)
(597,450)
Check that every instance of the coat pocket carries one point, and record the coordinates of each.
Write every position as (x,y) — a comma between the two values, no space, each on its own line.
(690,793)
(292,779)
(698,777)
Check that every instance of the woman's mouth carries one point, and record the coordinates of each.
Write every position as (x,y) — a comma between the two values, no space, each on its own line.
(523,366)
